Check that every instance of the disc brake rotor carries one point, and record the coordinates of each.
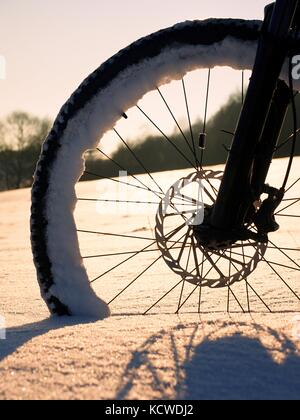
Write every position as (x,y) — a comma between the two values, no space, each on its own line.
(183,207)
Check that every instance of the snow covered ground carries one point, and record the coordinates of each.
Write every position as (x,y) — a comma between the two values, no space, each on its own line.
(161,356)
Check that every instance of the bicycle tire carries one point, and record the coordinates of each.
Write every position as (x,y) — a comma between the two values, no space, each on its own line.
(137,69)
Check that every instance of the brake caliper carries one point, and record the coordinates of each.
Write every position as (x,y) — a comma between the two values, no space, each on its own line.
(264,219)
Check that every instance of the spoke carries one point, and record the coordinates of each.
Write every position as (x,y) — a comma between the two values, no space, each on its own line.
(198,271)
(129,236)
(163,297)
(291,199)
(186,198)
(184,244)
(247,294)
(287,207)
(173,288)
(296,182)
(231,263)
(186,201)
(280,277)
(228,300)
(205,112)
(158,194)
(251,244)
(166,137)
(230,133)
(189,296)
(282,252)
(183,283)
(246,280)
(291,137)
(137,159)
(214,264)
(206,101)
(200,288)
(211,262)
(255,292)
(215,191)
(179,213)
(288,215)
(238,302)
(190,123)
(241,255)
(115,234)
(284,266)
(117,180)
(213,199)
(180,296)
(123,253)
(120,201)
(200,282)
(230,259)
(133,281)
(94,200)
(141,274)
(175,120)
(285,249)
(196,258)
(135,254)
(271,262)
(259,297)
(122,262)
(228,295)
(174,232)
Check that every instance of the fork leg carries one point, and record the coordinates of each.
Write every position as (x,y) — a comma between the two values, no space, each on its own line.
(235,195)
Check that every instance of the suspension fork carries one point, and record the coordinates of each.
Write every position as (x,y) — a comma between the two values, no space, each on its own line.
(267,145)
(236,194)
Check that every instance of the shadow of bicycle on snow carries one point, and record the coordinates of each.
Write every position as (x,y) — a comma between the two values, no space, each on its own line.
(224,363)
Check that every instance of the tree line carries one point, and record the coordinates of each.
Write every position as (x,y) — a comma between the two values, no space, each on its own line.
(159,154)
(21,137)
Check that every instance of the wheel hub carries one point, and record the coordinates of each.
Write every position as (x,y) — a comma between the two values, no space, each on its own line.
(217,239)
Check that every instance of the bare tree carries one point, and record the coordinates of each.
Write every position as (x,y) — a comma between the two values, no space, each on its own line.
(21,136)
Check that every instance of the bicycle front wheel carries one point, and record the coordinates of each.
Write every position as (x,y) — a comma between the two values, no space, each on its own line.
(96,106)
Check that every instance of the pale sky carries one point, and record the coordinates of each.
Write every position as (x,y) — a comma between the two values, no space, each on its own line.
(51,46)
